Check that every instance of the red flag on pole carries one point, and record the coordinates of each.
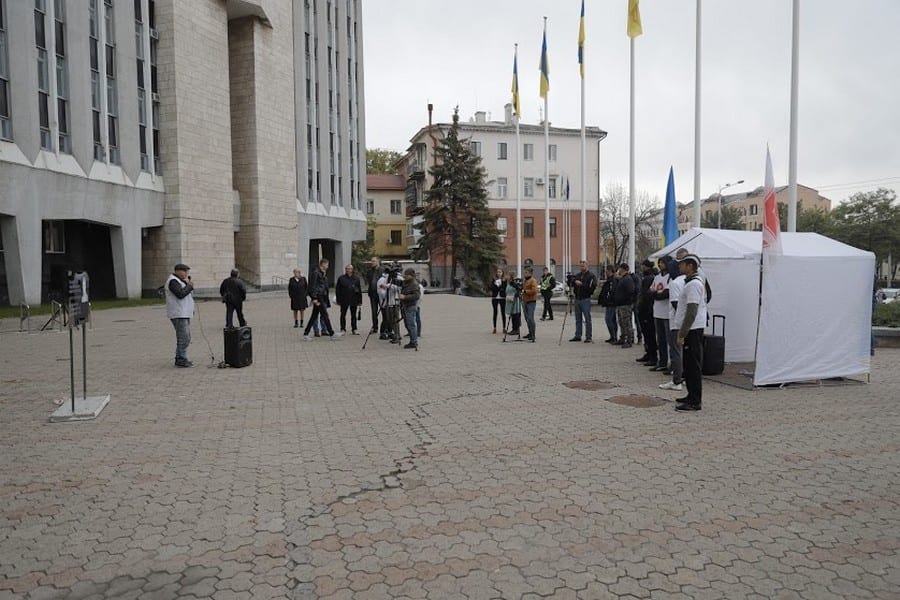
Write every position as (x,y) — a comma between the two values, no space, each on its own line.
(771,238)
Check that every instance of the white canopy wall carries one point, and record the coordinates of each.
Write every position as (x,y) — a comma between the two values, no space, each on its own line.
(816,313)
(731,264)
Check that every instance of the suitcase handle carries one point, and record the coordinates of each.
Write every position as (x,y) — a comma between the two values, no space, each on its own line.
(714,317)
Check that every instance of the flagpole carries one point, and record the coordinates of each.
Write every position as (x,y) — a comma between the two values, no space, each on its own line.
(631,257)
(518,163)
(583,150)
(697,99)
(546,170)
(792,159)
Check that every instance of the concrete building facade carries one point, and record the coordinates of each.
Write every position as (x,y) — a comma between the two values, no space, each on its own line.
(137,134)
(386,211)
(495,143)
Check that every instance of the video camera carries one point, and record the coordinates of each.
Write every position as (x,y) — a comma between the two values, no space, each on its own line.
(393,272)
(517,284)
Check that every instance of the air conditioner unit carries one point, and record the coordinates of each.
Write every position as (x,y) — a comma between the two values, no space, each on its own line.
(539,181)
(155,96)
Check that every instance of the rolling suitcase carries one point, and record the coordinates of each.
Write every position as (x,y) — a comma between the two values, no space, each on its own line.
(714,349)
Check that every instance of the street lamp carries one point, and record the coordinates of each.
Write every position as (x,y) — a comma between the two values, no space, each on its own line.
(722,187)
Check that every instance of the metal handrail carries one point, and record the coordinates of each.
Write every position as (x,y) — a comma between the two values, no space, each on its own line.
(278,280)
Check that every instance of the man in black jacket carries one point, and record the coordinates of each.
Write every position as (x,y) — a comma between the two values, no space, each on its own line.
(318,291)
(233,295)
(372,277)
(645,301)
(623,299)
(348,292)
(607,292)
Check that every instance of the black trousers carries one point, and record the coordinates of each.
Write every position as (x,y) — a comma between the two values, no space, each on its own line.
(499,307)
(230,309)
(548,308)
(376,308)
(344,308)
(319,311)
(648,327)
(692,356)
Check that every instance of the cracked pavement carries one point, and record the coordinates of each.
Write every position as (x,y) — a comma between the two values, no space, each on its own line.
(466,470)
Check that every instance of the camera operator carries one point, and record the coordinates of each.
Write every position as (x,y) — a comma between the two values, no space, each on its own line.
(388,290)
(529,299)
(514,303)
(584,283)
(410,292)
(180,309)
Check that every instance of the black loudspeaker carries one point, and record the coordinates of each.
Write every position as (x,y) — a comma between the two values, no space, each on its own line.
(239,347)
(714,349)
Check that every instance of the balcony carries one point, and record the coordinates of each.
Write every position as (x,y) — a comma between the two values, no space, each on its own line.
(415,170)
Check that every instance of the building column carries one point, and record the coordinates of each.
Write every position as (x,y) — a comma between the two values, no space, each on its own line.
(22,253)
(126,254)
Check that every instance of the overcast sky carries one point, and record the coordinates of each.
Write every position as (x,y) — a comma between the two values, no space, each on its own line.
(460,52)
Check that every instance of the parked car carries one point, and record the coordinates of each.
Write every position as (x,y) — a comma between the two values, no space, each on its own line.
(888,295)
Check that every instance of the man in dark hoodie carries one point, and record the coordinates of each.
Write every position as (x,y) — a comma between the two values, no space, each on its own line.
(607,292)
(233,294)
(623,297)
(645,313)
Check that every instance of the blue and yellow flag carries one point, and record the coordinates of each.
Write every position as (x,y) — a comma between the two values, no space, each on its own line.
(517,108)
(545,67)
(634,19)
(670,216)
(581,41)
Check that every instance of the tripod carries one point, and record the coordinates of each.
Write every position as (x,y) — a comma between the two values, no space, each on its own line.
(509,318)
(566,314)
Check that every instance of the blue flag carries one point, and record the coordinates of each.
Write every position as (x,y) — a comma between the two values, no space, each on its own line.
(670,216)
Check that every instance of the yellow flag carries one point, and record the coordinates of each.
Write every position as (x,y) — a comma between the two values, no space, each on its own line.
(634,19)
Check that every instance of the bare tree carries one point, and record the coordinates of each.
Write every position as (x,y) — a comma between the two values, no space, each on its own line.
(614,212)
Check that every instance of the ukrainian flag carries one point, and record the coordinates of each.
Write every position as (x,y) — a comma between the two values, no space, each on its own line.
(634,19)
(545,67)
(581,41)
(517,108)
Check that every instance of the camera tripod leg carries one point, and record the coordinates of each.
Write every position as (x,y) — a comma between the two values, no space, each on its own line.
(566,314)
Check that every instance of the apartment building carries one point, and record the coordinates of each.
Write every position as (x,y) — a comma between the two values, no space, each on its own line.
(386,213)
(135,134)
(495,143)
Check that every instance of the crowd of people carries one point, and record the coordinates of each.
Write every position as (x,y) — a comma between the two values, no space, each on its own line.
(668,301)
(662,310)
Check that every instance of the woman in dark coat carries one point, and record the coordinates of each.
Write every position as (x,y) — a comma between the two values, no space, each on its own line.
(297,288)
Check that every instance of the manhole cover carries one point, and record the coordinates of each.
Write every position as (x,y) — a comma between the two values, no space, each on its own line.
(591,384)
(637,401)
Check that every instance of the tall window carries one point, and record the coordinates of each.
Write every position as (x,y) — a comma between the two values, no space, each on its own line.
(112,96)
(553,227)
(501,151)
(528,227)
(154,84)
(501,187)
(551,187)
(551,152)
(96,87)
(62,76)
(501,225)
(43,66)
(475,148)
(396,207)
(5,117)
(54,237)
(370,207)
(529,187)
(141,83)
(528,151)
(396,237)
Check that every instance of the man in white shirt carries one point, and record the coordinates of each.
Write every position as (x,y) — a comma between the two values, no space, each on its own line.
(661,313)
(676,285)
(690,320)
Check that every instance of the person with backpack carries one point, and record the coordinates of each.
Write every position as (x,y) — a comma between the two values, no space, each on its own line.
(623,299)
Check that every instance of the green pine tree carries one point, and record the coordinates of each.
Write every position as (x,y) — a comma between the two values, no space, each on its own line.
(457,225)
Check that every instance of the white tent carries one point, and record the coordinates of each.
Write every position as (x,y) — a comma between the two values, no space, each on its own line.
(815,320)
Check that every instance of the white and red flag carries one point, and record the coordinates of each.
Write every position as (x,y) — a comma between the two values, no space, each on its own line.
(771,233)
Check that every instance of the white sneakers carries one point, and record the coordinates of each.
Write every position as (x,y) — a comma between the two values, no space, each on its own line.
(307,338)
(675,387)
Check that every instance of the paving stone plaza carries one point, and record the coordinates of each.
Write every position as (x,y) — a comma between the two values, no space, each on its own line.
(466,470)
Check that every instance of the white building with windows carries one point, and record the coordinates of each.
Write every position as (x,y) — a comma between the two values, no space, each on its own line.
(495,143)
(135,134)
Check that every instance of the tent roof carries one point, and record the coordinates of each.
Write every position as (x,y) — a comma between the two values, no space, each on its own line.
(726,243)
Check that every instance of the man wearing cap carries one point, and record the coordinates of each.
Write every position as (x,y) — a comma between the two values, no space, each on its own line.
(623,298)
(690,320)
(180,309)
